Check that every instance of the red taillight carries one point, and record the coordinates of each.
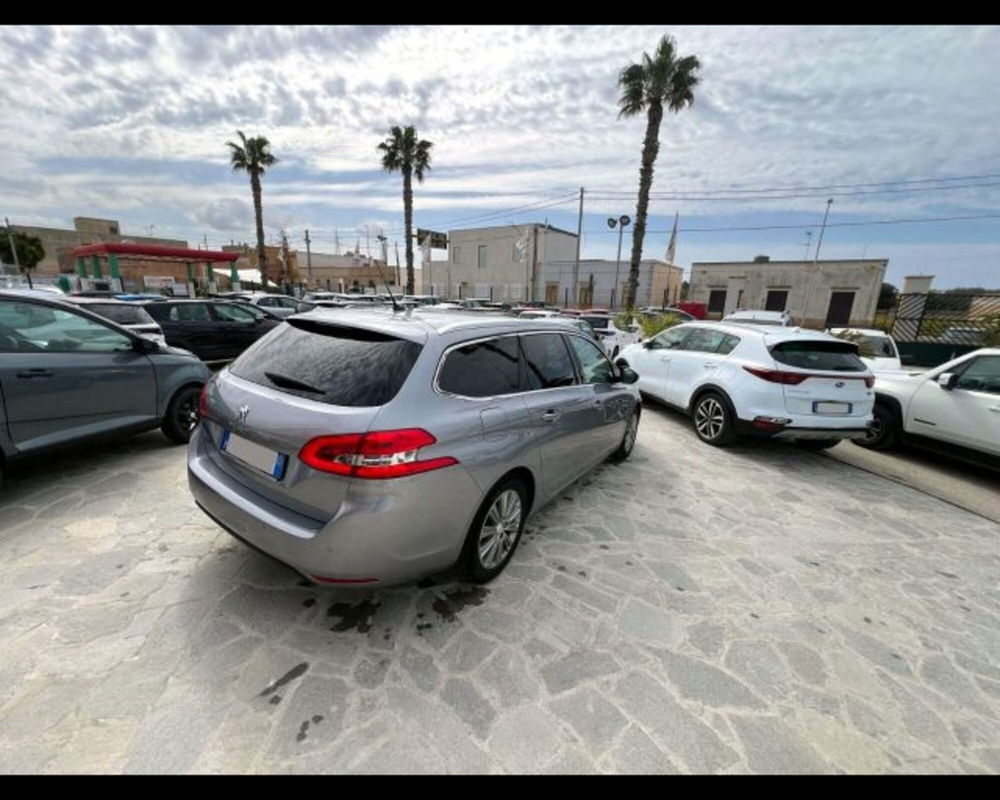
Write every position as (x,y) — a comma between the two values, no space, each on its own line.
(870,381)
(203,402)
(777,376)
(375,455)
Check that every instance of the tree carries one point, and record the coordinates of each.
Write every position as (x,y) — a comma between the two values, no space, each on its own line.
(887,296)
(661,82)
(254,156)
(685,289)
(29,250)
(403,152)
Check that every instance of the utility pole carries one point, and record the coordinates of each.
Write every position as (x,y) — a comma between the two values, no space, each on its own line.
(621,222)
(385,248)
(284,260)
(808,241)
(368,243)
(576,261)
(812,277)
(822,229)
(534,262)
(336,243)
(398,277)
(309,260)
(205,239)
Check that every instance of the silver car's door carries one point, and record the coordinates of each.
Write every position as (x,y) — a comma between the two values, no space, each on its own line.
(65,376)
(611,403)
(560,409)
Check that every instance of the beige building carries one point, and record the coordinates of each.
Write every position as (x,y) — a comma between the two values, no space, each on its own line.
(58,242)
(351,272)
(602,283)
(816,294)
(502,262)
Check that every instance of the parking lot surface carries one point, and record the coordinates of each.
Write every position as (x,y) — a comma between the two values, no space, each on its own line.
(759,609)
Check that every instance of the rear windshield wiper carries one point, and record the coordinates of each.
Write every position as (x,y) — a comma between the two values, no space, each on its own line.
(291,383)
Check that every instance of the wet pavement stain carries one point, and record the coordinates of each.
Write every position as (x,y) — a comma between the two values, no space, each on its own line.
(754,615)
(309,602)
(561,568)
(454,601)
(357,617)
(581,573)
(947,574)
(421,627)
(275,700)
(301,737)
(604,547)
(295,672)
(868,620)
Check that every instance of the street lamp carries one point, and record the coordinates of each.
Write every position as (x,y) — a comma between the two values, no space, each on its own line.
(621,222)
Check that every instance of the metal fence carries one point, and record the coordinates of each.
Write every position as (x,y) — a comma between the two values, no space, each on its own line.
(969,320)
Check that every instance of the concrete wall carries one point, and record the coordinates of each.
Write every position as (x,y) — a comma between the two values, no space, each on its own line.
(809,286)
(654,277)
(508,278)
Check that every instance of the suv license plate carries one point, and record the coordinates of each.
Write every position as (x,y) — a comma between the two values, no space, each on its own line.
(254,454)
(820,407)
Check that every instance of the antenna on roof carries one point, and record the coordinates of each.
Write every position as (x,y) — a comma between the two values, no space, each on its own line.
(395,306)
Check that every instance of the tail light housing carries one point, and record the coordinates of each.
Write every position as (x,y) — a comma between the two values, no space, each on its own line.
(777,375)
(375,455)
(870,381)
(203,402)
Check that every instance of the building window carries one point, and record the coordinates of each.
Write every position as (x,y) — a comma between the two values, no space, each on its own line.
(717,300)
(482,256)
(456,255)
(777,300)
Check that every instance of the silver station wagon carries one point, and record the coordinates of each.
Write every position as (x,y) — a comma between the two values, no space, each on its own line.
(362,446)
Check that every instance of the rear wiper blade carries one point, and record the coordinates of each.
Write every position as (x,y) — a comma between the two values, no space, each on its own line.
(292,383)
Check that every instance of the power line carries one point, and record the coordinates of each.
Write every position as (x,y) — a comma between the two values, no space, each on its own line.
(753,198)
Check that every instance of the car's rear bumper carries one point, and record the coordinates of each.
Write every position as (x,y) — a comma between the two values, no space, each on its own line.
(385,532)
(851,431)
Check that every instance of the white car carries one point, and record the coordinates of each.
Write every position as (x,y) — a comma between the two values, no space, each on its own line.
(280,305)
(736,380)
(781,319)
(612,338)
(954,408)
(886,358)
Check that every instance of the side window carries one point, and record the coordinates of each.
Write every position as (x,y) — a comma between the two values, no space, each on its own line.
(30,327)
(981,375)
(266,301)
(189,312)
(547,361)
(482,369)
(593,363)
(288,302)
(670,339)
(232,313)
(704,340)
(728,344)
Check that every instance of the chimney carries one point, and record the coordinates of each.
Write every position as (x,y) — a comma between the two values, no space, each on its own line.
(916,284)
(761,259)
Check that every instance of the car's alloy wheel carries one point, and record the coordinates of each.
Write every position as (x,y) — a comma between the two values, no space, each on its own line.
(709,418)
(628,439)
(182,415)
(500,529)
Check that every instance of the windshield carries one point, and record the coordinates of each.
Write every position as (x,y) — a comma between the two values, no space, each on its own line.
(122,314)
(818,354)
(598,323)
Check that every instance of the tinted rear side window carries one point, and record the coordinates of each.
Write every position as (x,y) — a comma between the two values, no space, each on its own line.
(482,369)
(805,354)
(548,361)
(334,364)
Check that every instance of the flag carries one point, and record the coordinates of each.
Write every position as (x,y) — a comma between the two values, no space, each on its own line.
(672,247)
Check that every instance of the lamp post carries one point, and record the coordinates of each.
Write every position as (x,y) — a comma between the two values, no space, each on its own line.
(621,222)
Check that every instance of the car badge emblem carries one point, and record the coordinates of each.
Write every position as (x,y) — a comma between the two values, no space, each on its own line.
(838,384)
(241,416)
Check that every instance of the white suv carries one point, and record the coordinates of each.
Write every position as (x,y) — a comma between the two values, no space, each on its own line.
(954,408)
(612,338)
(776,382)
(781,319)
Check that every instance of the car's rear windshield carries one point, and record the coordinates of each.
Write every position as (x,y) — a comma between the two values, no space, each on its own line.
(335,364)
(122,314)
(813,354)
(882,346)
(598,323)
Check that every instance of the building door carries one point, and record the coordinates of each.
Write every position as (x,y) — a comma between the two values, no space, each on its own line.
(777,300)
(586,295)
(717,301)
(839,312)
(551,294)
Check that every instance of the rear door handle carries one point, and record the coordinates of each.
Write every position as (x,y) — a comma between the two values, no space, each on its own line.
(36,373)
(551,416)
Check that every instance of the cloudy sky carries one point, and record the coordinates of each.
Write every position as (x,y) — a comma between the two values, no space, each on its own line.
(892,123)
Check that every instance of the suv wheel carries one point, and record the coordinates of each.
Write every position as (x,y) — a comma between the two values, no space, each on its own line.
(713,422)
(884,432)
(496,530)
(182,415)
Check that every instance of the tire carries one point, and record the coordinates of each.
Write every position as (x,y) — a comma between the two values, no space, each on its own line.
(182,415)
(713,421)
(816,444)
(884,433)
(482,562)
(628,438)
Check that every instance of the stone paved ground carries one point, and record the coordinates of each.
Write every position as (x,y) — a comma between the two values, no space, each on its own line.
(693,610)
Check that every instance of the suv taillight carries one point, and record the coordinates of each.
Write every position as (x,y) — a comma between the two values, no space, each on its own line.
(374,455)
(203,402)
(870,381)
(777,376)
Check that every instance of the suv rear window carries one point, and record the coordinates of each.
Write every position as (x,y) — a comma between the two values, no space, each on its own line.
(122,314)
(333,364)
(812,354)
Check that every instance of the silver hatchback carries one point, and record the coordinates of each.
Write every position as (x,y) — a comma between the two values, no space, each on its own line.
(361,446)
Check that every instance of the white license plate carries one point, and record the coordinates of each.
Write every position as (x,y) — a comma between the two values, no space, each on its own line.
(831,408)
(254,454)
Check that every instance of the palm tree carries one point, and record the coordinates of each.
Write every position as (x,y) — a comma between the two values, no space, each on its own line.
(663,81)
(253,156)
(402,151)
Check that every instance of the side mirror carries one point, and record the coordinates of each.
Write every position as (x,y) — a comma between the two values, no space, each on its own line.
(648,344)
(143,345)
(947,380)
(629,375)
